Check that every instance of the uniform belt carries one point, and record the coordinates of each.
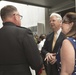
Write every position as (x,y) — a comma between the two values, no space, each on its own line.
(21,67)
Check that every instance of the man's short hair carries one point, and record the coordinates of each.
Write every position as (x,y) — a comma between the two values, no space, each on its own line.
(57,15)
(7,11)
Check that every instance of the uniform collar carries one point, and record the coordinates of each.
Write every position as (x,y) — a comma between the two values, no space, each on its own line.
(9,24)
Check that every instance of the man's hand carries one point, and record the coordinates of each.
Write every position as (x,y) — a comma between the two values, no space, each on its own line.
(50,57)
(53,60)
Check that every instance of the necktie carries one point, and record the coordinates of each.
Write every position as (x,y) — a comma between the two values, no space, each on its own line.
(54,40)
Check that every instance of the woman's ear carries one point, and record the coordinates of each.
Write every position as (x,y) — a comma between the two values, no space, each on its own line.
(71,24)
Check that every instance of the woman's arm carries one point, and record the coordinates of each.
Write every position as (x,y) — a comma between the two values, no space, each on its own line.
(67,58)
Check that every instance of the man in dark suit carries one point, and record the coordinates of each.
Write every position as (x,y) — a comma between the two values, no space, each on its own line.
(18,50)
(48,52)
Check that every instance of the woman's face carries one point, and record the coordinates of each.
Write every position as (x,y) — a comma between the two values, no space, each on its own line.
(66,25)
(65,28)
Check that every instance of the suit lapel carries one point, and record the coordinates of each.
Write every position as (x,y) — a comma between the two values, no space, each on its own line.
(50,40)
(57,42)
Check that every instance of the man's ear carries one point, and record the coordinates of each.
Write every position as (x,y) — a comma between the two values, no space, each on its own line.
(15,17)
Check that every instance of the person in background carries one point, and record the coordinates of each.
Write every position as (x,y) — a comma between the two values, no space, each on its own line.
(36,37)
(18,50)
(42,39)
(41,43)
(49,50)
(66,56)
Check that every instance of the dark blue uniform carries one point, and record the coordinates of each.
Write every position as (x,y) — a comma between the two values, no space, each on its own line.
(18,51)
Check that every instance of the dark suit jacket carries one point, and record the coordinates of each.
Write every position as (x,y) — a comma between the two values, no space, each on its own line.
(51,69)
(18,51)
